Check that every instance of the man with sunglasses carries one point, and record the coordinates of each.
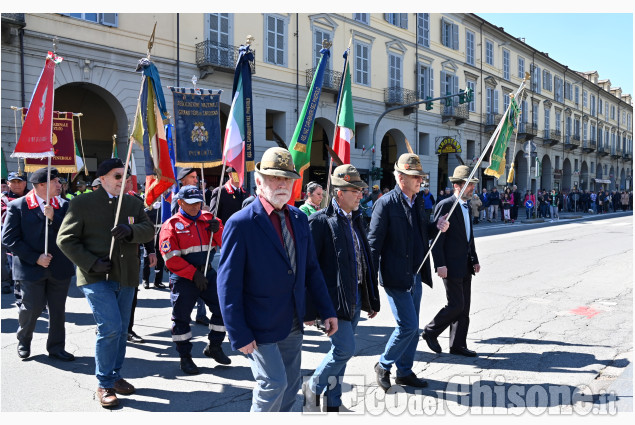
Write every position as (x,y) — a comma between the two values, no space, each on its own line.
(342,250)
(107,281)
(398,238)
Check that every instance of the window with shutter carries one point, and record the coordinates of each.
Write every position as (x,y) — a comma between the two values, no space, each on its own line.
(423,24)
(362,63)
(506,64)
(521,67)
(362,17)
(455,36)
(469,47)
(489,52)
(472,86)
(275,40)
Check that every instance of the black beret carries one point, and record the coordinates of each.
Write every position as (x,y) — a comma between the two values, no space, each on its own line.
(182,172)
(107,165)
(39,176)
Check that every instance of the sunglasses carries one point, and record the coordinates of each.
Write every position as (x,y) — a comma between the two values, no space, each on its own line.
(119,176)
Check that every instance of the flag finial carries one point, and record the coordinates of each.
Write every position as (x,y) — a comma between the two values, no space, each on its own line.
(151,40)
(326,44)
(250,39)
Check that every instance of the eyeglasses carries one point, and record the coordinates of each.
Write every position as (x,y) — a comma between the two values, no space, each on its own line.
(356,192)
(119,176)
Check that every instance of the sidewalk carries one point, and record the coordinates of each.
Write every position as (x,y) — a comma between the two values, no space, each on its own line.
(564,217)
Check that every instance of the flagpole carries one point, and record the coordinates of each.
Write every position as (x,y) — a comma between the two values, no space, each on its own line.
(478,163)
(327,198)
(209,245)
(123,184)
(48,202)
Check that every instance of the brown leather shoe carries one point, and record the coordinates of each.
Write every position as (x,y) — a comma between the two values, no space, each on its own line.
(123,387)
(107,397)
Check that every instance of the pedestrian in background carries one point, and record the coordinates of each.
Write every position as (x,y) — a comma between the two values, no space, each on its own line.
(530,203)
(314,194)
(428,202)
(506,206)
(476,206)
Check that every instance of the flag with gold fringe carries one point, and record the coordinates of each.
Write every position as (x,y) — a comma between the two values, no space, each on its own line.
(497,157)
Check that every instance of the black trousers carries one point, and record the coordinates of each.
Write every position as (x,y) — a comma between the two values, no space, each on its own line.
(37,294)
(456,314)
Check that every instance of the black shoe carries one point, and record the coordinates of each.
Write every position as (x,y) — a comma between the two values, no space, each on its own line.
(432,342)
(133,337)
(411,380)
(383,377)
(188,366)
(146,285)
(202,320)
(63,355)
(463,351)
(24,351)
(333,408)
(311,399)
(216,352)
(159,285)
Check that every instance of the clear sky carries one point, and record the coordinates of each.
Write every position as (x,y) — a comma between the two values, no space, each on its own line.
(600,42)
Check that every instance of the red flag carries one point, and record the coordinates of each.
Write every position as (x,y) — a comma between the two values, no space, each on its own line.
(36,136)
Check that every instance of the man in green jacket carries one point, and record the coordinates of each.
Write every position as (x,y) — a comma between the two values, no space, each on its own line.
(108,283)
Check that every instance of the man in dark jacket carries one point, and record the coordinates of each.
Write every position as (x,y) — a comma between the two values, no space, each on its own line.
(494,204)
(108,281)
(343,253)
(428,201)
(455,261)
(484,197)
(17,188)
(398,238)
(44,278)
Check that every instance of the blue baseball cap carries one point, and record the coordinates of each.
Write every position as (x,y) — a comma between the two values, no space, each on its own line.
(15,176)
(190,194)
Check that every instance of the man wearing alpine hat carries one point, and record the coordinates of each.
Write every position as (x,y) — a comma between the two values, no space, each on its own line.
(267,266)
(398,237)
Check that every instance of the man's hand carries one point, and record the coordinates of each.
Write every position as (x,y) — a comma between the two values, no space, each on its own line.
(330,325)
(152,260)
(213,225)
(309,323)
(121,231)
(443,224)
(48,212)
(249,348)
(372,314)
(442,272)
(477,268)
(44,260)
(102,265)
(200,280)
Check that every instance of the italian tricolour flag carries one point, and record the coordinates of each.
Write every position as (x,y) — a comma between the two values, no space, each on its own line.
(234,149)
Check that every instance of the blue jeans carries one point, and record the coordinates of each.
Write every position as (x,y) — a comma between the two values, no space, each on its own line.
(402,344)
(334,364)
(276,369)
(111,304)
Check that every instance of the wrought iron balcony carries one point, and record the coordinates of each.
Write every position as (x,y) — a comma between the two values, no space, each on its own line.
(332,80)
(627,156)
(588,146)
(212,56)
(616,153)
(572,142)
(399,96)
(527,131)
(602,151)
(458,113)
(491,122)
(552,137)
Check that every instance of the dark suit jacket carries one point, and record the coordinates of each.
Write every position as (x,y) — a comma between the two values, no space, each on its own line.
(259,294)
(452,249)
(23,234)
(391,240)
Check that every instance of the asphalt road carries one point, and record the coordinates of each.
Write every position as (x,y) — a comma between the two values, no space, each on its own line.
(552,317)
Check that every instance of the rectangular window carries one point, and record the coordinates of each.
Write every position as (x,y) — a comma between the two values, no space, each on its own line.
(585,133)
(472,105)
(558,121)
(219,33)
(534,115)
(108,19)
(469,47)
(449,85)
(567,91)
(506,101)
(423,28)
(521,67)
(506,64)
(364,18)
(275,40)
(593,105)
(449,34)
(600,104)
(558,83)
(362,63)
(576,128)
(397,19)
(489,52)
(319,36)
(576,95)
(585,102)
(547,119)
(425,82)
(492,105)
(535,79)
(612,112)
(394,71)
(546,80)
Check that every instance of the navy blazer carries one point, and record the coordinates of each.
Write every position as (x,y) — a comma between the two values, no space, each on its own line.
(23,234)
(257,290)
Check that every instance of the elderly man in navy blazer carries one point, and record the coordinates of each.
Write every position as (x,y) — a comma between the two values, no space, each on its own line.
(44,278)
(267,265)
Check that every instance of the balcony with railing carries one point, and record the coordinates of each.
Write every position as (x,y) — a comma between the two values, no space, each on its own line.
(572,142)
(458,113)
(394,96)
(616,153)
(491,122)
(213,56)
(627,156)
(588,145)
(602,150)
(332,80)
(551,137)
(527,131)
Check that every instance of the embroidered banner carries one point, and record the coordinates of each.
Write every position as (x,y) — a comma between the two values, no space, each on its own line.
(63,145)
(197,127)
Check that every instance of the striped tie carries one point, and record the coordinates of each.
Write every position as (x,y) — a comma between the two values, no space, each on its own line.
(289,244)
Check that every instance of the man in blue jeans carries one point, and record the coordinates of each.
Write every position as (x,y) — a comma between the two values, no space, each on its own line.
(398,238)
(343,253)
(108,282)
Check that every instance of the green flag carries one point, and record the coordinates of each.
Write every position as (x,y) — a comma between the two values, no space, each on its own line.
(497,158)
(5,173)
